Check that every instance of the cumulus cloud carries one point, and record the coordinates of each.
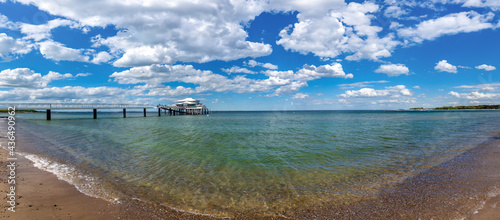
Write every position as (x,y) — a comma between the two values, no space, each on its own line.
(474,95)
(10,47)
(486,67)
(300,96)
(281,82)
(444,66)
(394,91)
(360,84)
(390,97)
(454,94)
(311,72)
(236,69)
(68,94)
(57,51)
(102,57)
(462,22)
(42,31)
(394,11)
(204,80)
(482,87)
(493,4)
(393,69)
(27,78)
(155,32)
(253,63)
(346,30)
(6,23)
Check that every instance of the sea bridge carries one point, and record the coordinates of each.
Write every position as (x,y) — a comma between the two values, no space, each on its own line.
(49,107)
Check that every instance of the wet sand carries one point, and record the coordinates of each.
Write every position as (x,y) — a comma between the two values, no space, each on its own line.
(40,195)
(456,189)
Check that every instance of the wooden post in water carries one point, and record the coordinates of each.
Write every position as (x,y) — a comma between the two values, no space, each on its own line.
(48,114)
(144,112)
(95,113)
(124,112)
(159,112)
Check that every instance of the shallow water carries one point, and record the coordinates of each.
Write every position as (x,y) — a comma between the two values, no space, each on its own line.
(241,162)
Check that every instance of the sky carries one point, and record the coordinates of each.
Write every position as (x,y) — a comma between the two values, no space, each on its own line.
(252,54)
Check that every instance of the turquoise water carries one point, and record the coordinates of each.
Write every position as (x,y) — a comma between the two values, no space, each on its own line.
(242,162)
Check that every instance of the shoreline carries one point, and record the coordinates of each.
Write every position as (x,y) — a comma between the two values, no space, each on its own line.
(42,195)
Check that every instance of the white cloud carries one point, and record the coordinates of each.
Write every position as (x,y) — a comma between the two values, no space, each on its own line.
(395,25)
(390,97)
(42,31)
(394,11)
(444,66)
(462,22)
(57,51)
(360,84)
(300,96)
(253,63)
(10,47)
(83,74)
(236,69)
(455,94)
(493,4)
(482,87)
(486,67)
(311,72)
(345,30)
(27,78)
(68,94)
(416,87)
(102,57)
(205,80)
(282,82)
(394,91)
(393,69)
(6,23)
(158,32)
(474,95)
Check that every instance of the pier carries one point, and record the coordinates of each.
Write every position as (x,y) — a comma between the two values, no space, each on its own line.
(184,107)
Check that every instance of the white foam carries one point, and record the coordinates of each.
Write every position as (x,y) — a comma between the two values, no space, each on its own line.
(493,193)
(86,184)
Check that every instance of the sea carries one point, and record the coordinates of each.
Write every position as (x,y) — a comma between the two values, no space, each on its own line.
(267,163)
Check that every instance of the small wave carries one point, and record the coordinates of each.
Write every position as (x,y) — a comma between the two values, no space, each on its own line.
(86,184)
(491,194)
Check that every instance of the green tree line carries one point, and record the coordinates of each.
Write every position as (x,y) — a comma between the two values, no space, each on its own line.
(468,107)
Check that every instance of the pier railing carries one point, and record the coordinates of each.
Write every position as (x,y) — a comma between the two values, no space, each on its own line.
(48,107)
(73,106)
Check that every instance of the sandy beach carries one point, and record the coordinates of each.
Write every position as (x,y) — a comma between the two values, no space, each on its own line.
(41,195)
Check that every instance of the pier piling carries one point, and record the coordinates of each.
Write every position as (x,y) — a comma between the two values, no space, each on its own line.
(95,113)
(144,112)
(48,115)
(124,112)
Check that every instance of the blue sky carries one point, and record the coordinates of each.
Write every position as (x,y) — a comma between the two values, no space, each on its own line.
(252,55)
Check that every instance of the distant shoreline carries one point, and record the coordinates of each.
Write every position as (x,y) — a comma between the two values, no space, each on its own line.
(462,107)
(21,111)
